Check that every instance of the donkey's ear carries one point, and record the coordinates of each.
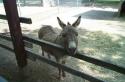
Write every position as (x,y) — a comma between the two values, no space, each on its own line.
(77,22)
(61,23)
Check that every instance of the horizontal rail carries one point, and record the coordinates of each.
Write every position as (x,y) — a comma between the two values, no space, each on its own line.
(78,55)
(67,69)
(26,43)
(22,19)
(6,47)
(6,37)
(55,64)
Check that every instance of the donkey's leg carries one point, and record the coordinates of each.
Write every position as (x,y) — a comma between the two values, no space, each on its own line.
(42,51)
(63,72)
(60,69)
(49,55)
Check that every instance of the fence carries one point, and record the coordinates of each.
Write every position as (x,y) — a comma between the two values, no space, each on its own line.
(33,56)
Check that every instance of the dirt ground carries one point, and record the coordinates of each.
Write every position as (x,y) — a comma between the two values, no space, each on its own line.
(93,19)
(36,71)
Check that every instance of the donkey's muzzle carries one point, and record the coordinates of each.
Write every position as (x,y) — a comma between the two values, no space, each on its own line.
(72,48)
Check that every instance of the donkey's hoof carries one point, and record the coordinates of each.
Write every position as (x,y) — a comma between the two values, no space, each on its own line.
(53,76)
(49,56)
(61,78)
(64,74)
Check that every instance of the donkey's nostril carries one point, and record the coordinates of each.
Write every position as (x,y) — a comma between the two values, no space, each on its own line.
(72,45)
(72,51)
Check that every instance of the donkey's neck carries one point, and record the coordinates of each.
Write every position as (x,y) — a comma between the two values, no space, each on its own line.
(59,40)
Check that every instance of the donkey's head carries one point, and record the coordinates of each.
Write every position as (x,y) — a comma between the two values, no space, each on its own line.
(69,35)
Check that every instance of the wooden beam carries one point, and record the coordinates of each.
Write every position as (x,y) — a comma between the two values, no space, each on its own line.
(6,37)
(22,19)
(33,56)
(78,55)
(15,31)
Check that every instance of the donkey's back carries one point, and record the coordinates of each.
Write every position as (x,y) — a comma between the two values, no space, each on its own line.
(47,33)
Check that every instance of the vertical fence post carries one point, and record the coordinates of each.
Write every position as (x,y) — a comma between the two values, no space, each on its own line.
(15,31)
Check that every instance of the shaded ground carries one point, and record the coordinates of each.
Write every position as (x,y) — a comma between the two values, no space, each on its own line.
(98,15)
(36,71)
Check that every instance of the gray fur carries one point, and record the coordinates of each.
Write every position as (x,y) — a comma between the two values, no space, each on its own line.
(49,34)
(66,38)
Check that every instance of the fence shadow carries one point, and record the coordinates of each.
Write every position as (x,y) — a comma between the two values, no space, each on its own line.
(98,15)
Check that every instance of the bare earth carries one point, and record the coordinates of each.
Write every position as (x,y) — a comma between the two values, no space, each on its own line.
(93,19)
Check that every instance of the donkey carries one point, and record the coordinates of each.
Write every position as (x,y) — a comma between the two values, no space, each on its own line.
(66,38)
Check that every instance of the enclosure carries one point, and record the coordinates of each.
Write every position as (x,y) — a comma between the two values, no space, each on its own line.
(101,36)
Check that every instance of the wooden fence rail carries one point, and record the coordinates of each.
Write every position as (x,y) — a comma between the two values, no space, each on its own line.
(33,56)
(22,19)
(79,55)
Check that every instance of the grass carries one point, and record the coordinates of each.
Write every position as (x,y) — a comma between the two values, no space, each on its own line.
(107,0)
(104,3)
(107,47)
(104,46)
(110,3)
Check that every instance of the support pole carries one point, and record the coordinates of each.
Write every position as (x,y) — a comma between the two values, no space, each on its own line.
(15,31)
(121,11)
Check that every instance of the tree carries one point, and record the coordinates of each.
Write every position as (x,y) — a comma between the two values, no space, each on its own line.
(122,8)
